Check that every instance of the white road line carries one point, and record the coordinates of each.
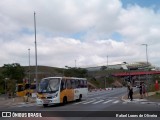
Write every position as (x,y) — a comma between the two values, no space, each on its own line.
(21,106)
(107,101)
(98,102)
(116,101)
(79,102)
(26,105)
(88,102)
(124,102)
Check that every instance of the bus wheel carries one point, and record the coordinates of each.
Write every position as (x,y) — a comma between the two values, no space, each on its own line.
(45,105)
(64,100)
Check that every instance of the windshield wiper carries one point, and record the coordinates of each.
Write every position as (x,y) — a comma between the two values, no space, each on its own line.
(52,91)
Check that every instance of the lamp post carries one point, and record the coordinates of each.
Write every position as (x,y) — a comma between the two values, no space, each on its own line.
(5,82)
(107,61)
(75,63)
(146,52)
(29,66)
(35,52)
(129,71)
(107,73)
(147,62)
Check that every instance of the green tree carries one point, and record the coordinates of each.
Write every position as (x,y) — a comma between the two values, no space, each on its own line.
(11,87)
(75,72)
(13,71)
(2,83)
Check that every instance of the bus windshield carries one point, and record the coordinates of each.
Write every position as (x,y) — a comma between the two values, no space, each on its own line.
(49,85)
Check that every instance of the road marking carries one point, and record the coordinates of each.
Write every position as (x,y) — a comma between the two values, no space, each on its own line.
(25,105)
(107,101)
(88,102)
(124,102)
(117,101)
(98,102)
(79,102)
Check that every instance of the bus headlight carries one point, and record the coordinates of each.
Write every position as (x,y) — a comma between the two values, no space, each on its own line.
(55,95)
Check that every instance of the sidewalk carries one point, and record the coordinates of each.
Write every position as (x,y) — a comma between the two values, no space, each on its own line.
(6,102)
(136,97)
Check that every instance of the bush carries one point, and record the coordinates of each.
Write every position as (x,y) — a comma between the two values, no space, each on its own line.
(151,88)
(2,91)
(158,93)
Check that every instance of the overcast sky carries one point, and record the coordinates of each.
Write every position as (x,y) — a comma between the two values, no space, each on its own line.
(83,30)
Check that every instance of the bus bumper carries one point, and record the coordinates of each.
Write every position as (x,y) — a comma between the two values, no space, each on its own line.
(47,101)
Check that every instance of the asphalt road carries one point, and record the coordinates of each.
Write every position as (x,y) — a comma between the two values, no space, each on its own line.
(98,105)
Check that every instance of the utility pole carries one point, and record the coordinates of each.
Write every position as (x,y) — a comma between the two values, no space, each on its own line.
(107,73)
(146,52)
(36,70)
(75,63)
(107,60)
(29,71)
(147,64)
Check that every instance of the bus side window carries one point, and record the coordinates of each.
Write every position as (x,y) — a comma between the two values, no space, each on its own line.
(81,83)
(76,83)
(27,86)
(68,84)
(20,88)
(63,86)
(85,84)
(73,84)
(33,86)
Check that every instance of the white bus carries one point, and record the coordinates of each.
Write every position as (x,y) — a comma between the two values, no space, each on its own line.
(53,90)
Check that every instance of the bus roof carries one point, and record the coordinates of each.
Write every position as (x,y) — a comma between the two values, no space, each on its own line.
(66,78)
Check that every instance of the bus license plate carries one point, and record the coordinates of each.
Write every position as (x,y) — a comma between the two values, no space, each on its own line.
(45,101)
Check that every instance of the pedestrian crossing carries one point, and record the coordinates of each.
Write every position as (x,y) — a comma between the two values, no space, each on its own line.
(83,102)
(96,101)
(25,105)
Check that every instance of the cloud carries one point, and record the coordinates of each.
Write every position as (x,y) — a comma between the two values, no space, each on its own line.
(77,30)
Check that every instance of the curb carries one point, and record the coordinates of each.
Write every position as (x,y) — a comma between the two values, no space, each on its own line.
(143,102)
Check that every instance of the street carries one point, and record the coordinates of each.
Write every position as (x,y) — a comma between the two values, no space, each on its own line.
(97,104)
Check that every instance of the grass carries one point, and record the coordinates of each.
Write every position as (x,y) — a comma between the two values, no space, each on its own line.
(155,97)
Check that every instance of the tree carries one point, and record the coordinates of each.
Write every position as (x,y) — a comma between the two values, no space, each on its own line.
(103,68)
(13,71)
(2,84)
(75,72)
(11,87)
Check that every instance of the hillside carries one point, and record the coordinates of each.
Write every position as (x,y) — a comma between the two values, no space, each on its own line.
(96,78)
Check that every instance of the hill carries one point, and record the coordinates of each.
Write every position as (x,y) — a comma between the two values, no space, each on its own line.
(99,79)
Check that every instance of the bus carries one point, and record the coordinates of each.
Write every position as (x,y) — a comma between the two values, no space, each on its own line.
(25,89)
(55,90)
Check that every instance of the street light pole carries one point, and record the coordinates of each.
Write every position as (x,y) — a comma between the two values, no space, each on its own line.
(5,82)
(129,69)
(146,52)
(107,60)
(107,73)
(147,63)
(75,63)
(5,87)
(35,52)
(29,66)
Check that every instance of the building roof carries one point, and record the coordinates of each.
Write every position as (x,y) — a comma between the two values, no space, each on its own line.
(122,74)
